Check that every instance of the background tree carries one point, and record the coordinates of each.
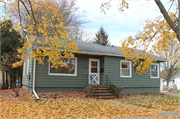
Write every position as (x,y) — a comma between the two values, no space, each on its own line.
(71,15)
(49,25)
(97,36)
(9,44)
(172,67)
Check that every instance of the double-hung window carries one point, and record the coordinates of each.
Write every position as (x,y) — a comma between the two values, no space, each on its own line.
(155,70)
(69,70)
(125,68)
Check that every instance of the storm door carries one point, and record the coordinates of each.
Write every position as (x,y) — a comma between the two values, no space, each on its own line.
(94,71)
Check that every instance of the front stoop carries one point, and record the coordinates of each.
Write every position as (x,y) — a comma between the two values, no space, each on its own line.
(102,92)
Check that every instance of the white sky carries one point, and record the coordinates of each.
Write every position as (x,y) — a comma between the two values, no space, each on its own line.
(119,25)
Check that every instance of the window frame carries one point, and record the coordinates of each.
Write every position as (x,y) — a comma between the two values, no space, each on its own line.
(130,69)
(59,74)
(157,70)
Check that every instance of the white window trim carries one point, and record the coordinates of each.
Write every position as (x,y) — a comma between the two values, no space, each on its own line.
(24,68)
(58,74)
(158,70)
(130,69)
(27,66)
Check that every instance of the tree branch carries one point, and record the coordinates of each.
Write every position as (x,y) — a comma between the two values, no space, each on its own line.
(167,17)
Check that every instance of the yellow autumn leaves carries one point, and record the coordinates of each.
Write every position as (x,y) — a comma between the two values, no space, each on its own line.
(66,108)
(152,39)
(41,19)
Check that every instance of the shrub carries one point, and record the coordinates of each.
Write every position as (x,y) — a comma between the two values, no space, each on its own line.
(89,91)
(115,89)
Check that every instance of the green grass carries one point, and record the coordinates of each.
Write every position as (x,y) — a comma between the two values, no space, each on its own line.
(177,91)
(153,101)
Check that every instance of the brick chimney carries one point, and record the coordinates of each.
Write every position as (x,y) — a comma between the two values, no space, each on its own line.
(102,39)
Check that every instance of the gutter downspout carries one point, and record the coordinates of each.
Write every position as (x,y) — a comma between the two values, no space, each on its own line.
(34,69)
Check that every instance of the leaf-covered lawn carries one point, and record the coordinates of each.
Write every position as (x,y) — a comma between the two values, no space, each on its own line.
(153,101)
(67,105)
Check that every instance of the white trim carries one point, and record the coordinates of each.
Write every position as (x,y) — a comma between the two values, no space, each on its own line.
(24,68)
(58,74)
(27,67)
(130,69)
(98,60)
(34,73)
(157,70)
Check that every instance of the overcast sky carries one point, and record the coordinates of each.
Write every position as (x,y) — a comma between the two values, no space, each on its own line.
(119,25)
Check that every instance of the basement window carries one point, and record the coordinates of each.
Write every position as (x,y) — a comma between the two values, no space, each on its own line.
(69,70)
(155,70)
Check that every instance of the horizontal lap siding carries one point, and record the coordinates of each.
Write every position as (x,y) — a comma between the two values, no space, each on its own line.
(25,77)
(112,70)
(45,80)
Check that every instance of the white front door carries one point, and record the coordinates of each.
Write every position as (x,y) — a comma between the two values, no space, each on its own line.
(94,71)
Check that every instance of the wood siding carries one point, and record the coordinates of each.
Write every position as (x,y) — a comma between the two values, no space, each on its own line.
(43,80)
(25,77)
(137,82)
(110,66)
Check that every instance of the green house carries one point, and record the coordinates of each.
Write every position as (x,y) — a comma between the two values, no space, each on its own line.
(94,64)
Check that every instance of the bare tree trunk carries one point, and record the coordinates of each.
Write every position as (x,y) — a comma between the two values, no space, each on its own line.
(14,78)
(11,78)
(21,78)
(18,81)
(3,76)
(168,84)
(7,79)
(14,83)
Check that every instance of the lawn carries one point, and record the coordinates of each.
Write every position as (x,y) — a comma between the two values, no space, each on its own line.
(177,91)
(152,101)
(71,105)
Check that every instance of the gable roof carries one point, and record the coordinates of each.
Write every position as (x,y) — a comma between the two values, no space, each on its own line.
(98,49)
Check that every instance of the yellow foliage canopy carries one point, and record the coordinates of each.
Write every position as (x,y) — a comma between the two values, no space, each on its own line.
(154,36)
(48,25)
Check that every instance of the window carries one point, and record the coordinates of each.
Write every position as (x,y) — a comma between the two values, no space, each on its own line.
(125,68)
(70,70)
(27,66)
(155,70)
(24,68)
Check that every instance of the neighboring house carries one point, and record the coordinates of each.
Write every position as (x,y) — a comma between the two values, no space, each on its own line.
(163,84)
(175,80)
(94,64)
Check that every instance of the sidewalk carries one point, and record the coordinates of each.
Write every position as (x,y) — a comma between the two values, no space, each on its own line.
(169,93)
(175,113)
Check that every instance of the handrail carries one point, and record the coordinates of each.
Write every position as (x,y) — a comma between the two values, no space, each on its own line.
(108,81)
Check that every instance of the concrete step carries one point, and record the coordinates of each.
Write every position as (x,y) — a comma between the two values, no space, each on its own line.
(101,88)
(103,94)
(102,91)
(105,97)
